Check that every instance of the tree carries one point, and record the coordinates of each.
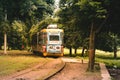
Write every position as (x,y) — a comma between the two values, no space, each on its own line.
(114,14)
(4,24)
(77,41)
(113,21)
(18,35)
(5,29)
(94,12)
(69,23)
(85,44)
(33,11)
(107,41)
(29,12)
(87,15)
(5,12)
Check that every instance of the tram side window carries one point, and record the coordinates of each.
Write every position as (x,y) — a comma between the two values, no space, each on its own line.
(40,39)
(44,38)
(61,36)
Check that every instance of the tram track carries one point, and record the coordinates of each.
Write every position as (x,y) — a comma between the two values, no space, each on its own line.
(59,70)
(74,69)
(38,72)
(67,62)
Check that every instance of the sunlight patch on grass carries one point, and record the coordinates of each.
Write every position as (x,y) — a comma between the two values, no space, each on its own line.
(108,58)
(66,51)
(104,53)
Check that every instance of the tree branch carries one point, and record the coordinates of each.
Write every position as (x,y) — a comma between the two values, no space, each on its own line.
(99,28)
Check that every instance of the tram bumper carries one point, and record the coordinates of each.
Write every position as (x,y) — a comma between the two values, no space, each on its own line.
(54,50)
(54,54)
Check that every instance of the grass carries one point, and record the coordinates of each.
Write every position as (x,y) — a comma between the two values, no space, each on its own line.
(101,56)
(16,61)
(107,58)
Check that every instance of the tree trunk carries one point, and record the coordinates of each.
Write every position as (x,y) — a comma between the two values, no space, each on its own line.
(91,50)
(83,51)
(5,43)
(115,52)
(115,47)
(75,51)
(70,51)
(5,35)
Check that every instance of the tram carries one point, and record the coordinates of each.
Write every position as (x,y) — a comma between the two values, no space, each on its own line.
(49,41)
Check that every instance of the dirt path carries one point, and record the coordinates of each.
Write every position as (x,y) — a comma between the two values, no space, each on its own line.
(76,71)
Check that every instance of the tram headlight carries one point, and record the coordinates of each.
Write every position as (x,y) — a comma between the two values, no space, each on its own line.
(57,47)
(50,46)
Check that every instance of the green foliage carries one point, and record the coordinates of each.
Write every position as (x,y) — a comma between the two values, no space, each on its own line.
(18,35)
(108,40)
(69,23)
(19,26)
(91,11)
(83,12)
(35,10)
(114,14)
(5,26)
(22,15)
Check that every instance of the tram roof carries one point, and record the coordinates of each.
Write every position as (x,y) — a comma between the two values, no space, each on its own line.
(51,30)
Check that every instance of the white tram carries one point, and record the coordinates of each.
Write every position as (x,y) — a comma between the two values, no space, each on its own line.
(49,41)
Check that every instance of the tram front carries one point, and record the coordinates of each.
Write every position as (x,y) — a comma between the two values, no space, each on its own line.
(55,42)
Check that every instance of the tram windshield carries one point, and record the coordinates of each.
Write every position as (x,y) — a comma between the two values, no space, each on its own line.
(54,37)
